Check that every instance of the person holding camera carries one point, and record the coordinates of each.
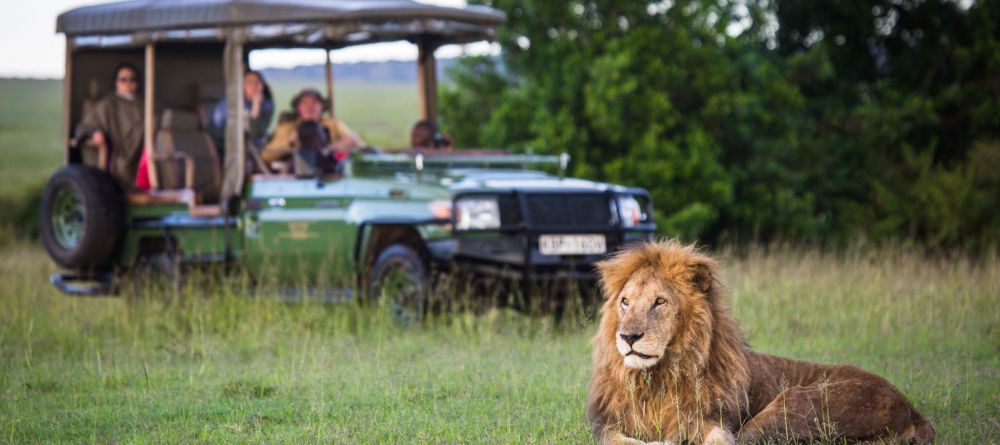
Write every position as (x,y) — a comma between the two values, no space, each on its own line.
(309,105)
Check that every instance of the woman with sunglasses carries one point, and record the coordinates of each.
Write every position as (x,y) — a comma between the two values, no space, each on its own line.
(114,125)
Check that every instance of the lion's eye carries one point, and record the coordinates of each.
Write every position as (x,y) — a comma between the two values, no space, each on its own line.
(660,301)
(624,302)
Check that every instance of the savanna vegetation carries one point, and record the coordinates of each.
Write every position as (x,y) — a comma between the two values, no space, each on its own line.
(210,365)
(823,126)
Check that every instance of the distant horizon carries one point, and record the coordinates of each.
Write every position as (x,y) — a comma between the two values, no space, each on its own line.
(304,66)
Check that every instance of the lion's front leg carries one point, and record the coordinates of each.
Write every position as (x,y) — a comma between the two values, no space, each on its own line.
(617,438)
(715,436)
(719,436)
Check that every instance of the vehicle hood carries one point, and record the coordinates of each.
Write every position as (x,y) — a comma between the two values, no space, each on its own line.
(474,179)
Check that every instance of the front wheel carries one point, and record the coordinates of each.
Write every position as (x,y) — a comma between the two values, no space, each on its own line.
(400,282)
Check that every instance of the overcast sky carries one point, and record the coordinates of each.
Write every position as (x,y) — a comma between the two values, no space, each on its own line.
(30,47)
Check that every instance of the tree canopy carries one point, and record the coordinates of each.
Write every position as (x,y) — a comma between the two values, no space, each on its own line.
(755,119)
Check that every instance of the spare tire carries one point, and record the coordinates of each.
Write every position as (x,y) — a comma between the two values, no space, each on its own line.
(82,216)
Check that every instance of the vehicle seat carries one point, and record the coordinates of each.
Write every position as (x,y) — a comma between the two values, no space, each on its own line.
(180,137)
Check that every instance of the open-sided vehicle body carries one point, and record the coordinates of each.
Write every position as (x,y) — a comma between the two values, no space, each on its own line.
(491,213)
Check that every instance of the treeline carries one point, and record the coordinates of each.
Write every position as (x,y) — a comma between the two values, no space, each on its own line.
(392,71)
(758,120)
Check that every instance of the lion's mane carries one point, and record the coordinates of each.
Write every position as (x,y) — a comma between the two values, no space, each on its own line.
(704,373)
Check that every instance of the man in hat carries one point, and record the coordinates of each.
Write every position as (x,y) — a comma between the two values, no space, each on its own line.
(309,105)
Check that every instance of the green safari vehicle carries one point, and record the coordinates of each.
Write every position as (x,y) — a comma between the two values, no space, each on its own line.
(381,216)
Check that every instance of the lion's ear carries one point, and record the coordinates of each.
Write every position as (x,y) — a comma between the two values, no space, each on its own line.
(703,275)
(615,271)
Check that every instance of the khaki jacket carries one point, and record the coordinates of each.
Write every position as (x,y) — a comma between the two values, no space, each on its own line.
(279,147)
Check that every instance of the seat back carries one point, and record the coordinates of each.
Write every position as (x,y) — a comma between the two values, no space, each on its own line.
(181,134)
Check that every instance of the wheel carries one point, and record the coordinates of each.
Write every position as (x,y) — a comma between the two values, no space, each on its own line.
(399,281)
(157,275)
(81,218)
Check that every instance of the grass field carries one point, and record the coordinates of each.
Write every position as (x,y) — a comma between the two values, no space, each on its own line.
(30,119)
(218,367)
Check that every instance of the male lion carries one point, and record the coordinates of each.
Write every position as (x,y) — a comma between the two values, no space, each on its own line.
(670,365)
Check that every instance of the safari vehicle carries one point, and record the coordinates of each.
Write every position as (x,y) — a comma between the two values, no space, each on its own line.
(384,215)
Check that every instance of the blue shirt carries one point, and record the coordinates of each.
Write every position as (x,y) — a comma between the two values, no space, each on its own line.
(257,128)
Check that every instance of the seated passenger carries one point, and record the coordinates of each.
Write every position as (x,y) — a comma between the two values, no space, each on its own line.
(425,135)
(115,124)
(259,104)
(309,105)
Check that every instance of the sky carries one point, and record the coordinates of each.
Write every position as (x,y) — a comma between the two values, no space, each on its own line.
(30,47)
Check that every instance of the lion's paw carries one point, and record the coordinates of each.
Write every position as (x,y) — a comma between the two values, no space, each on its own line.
(719,436)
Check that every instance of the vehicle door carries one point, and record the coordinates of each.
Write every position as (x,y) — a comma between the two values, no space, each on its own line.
(297,232)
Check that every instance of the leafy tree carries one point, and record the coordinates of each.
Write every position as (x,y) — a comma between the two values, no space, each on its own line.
(756,119)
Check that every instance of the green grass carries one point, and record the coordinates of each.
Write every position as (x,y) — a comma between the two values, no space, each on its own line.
(30,132)
(217,366)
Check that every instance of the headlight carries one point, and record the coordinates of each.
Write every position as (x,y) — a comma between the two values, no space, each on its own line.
(440,208)
(477,214)
(629,211)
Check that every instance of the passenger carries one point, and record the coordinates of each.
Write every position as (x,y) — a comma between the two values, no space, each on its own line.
(259,104)
(115,124)
(425,135)
(309,106)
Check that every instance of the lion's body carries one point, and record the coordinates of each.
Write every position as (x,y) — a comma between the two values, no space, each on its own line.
(790,399)
(696,379)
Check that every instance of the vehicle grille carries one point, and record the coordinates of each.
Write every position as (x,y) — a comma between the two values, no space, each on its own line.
(559,210)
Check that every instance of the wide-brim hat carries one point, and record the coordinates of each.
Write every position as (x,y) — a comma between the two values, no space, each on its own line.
(308,92)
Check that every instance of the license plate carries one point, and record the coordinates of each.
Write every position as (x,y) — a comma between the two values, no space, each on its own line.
(571,244)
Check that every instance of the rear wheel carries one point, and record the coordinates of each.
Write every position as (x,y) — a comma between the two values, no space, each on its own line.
(400,283)
(157,275)
(81,218)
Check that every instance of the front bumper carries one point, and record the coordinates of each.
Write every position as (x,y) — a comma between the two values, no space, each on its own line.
(516,256)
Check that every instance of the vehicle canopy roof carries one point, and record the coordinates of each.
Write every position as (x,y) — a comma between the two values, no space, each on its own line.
(320,23)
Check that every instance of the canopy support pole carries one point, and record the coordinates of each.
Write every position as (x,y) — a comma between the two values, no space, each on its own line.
(427,79)
(329,84)
(147,115)
(234,171)
(67,97)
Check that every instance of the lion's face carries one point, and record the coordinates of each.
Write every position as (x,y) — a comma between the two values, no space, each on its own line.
(648,311)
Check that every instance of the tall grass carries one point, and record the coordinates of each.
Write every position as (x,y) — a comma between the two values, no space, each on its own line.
(209,364)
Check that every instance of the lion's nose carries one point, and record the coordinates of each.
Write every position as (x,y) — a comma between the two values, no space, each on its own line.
(630,338)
